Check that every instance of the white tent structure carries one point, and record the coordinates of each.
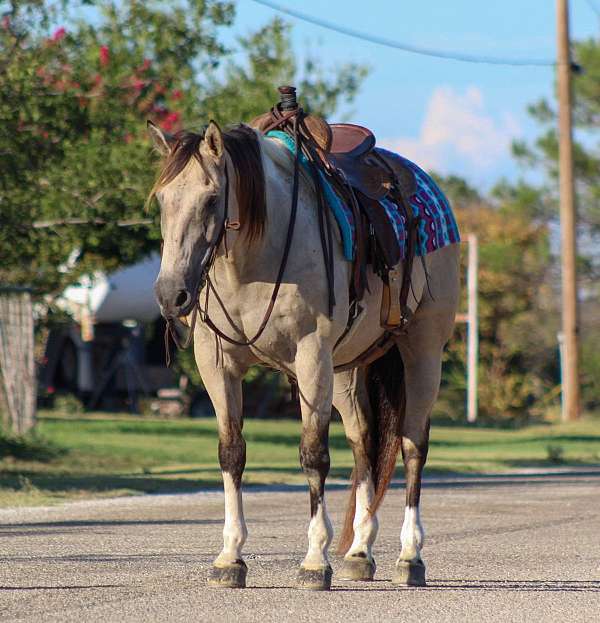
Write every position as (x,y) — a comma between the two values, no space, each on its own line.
(126,294)
(105,348)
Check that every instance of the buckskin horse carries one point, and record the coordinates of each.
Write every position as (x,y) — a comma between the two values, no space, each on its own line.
(244,244)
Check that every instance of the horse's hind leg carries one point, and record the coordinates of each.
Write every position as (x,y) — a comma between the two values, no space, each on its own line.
(224,387)
(351,399)
(421,352)
(314,373)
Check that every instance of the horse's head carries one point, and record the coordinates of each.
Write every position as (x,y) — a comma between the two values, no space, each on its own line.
(189,190)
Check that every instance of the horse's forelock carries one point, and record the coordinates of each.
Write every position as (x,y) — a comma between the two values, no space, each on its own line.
(185,146)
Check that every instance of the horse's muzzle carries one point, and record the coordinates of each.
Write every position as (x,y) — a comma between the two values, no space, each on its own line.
(175,299)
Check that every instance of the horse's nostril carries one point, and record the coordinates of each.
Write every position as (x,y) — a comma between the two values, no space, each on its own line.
(182,298)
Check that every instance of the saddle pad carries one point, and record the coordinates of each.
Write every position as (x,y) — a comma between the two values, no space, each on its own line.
(342,213)
(437,225)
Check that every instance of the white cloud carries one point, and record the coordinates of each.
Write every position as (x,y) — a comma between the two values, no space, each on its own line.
(458,135)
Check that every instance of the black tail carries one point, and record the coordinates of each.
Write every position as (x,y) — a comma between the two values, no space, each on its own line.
(385,384)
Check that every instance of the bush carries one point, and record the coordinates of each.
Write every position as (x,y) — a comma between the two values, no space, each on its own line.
(555,454)
(29,447)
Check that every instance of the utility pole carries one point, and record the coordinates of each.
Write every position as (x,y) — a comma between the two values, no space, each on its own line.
(570,373)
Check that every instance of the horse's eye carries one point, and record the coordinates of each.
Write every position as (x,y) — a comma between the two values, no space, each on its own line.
(211,204)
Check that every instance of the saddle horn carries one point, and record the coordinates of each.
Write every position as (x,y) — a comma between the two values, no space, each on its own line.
(288,98)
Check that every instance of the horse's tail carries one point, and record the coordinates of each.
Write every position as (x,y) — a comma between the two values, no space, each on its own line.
(385,384)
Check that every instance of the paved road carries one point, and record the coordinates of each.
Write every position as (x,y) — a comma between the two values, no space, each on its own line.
(523,549)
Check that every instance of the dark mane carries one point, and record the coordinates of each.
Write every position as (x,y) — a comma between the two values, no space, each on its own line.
(241,143)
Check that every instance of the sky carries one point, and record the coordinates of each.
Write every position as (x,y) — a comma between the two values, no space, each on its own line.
(449,116)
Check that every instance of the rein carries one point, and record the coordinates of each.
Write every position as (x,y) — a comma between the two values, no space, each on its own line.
(170,330)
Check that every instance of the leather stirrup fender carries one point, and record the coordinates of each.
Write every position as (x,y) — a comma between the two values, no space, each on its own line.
(391,316)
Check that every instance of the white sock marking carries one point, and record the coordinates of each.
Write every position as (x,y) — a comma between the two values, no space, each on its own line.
(365,525)
(412,534)
(320,533)
(234,530)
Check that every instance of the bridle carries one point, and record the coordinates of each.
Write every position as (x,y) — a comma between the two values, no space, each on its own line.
(170,330)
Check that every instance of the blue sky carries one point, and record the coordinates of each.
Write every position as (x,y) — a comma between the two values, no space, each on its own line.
(451,116)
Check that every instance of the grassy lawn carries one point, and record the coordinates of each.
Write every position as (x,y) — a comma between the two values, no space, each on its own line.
(119,455)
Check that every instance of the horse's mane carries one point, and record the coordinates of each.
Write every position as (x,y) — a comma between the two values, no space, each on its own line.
(242,145)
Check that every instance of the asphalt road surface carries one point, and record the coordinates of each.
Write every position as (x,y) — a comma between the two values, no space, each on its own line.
(497,549)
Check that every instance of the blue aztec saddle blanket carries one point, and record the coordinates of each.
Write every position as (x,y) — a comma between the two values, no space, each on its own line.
(437,225)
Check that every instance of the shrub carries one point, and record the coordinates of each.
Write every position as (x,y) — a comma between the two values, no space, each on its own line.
(29,447)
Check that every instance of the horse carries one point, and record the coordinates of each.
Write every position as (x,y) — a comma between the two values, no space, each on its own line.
(225,210)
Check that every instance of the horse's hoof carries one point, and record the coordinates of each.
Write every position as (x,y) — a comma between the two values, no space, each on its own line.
(231,576)
(409,573)
(357,569)
(315,579)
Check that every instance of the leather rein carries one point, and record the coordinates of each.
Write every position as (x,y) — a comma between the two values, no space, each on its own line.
(171,331)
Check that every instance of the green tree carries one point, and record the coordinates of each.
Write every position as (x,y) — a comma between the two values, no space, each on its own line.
(74,97)
(543,153)
(517,323)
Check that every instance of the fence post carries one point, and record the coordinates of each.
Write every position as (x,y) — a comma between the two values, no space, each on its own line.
(17,366)
(472,330)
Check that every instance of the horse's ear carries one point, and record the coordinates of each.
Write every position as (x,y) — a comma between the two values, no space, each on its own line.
(162,141)
(213,140)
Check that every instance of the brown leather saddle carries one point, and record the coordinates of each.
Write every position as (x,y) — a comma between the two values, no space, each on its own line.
(366,168)
(351,149)
(365,174)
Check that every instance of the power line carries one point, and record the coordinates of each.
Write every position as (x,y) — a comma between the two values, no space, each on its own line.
(406,47)
(593,6)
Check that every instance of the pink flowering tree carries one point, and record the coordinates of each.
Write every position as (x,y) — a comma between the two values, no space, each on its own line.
(76,87)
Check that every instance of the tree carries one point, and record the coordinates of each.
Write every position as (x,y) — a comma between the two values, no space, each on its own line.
(517,321)
(74,98)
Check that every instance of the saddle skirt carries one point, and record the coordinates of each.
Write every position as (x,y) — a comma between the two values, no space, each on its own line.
(437,226)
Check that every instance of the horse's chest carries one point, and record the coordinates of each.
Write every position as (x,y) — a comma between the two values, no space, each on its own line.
(286,328)
(246,312)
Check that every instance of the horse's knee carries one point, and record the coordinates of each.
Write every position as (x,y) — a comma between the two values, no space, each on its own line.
(314,459)
(415,444)
(232,456)
(360,450)
(314,453)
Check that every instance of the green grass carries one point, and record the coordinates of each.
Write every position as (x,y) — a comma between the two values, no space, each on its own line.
(120,455)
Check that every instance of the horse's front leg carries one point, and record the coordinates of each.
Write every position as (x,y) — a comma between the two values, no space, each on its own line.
(224,386)
(351,399)
(314,371)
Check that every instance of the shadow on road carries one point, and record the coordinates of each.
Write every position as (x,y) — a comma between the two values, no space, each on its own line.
(464,585)
(166,481)
(53,527)
(60,588)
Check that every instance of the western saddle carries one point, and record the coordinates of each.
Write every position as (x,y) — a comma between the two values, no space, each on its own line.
(362,175)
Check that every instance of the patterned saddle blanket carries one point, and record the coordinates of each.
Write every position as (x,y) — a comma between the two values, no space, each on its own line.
(437,225)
